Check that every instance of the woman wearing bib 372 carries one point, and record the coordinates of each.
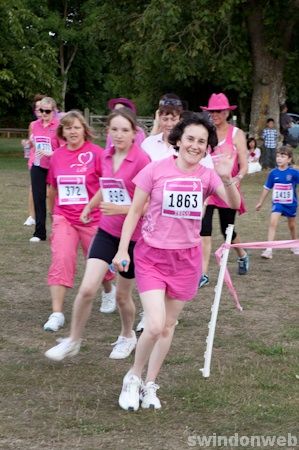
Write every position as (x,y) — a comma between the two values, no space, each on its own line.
(73,176)
(168,256)
(120,164)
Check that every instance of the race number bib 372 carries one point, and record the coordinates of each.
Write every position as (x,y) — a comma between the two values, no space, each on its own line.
(182,198)
(115,191)
(282,193)
(72,190)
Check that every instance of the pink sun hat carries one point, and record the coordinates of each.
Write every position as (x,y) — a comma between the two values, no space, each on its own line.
(124,101)
(218,102)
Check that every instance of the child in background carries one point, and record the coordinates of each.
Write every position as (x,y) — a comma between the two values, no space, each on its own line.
(270,137)
(254,154)
(283,181)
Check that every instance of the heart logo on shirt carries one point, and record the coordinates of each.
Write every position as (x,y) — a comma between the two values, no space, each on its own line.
(85,158)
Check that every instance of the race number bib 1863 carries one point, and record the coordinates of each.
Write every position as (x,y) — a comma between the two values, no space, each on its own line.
(282,193)
(182,198)
(115,191)
(72,190)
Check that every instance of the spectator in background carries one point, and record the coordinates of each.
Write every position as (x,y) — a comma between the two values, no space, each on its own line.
(285,122)
(122,102)
(168,115)
(254,154)
(270,138)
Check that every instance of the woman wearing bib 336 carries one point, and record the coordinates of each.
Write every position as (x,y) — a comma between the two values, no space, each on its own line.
(168,256)
(120,164)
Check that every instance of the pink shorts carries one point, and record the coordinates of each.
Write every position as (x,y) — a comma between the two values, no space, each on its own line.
(65,240)
(176,271)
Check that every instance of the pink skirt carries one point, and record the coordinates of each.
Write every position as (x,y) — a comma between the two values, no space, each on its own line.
(176,271)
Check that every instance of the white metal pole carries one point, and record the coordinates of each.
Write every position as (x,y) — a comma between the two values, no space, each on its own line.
(215,306)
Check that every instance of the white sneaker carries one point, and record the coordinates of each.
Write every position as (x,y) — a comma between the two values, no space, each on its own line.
(129,396)
(267,254)
(108,301)
(123,347)
(29,221)
(65,348)
(295,250)
(55,321)
(34,239)
(140,325)
(148,396)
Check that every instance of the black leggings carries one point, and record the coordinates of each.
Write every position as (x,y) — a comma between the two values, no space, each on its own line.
(39,193)
(227,216)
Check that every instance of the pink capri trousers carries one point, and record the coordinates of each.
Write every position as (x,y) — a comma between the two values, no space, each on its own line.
(65,240)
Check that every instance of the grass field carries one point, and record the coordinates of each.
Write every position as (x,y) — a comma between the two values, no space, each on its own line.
(253,387)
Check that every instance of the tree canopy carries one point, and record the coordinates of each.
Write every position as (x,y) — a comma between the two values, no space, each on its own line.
(84,52)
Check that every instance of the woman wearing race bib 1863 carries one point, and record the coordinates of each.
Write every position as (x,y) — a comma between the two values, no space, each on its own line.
(168,255)
(120,164)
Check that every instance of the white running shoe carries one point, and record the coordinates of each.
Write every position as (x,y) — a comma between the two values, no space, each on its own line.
(295,250)
(29,221)
(267,254)
(148,396)
(34,239)
(129,396)
(123,347)
(55,321)
(65,348)
(140,325)
(108,301)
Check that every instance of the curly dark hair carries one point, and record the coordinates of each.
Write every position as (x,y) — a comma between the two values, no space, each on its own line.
(193,118)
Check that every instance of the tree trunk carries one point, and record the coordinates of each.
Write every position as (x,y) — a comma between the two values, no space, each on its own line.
(267,76)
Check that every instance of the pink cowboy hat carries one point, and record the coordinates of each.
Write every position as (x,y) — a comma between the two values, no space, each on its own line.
(124,101)
(218,102)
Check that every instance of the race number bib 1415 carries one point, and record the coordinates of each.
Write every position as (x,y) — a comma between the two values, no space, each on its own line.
(282,193)
(115,191)
(72,190)
(182,198)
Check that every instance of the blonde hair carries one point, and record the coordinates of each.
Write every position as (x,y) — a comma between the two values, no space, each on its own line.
(48,101)
(68,120)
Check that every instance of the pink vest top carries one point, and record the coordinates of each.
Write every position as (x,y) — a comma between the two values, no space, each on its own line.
(225,146)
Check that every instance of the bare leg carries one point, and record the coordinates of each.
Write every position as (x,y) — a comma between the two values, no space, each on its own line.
(274,219)
(126,305)
(94,274)
(107,286)
(153,303)
(58,293)
(292,227)
(240,251)
(161,348)
(206,252)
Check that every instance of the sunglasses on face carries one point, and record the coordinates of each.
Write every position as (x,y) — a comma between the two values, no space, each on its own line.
(170,102)
(47,111)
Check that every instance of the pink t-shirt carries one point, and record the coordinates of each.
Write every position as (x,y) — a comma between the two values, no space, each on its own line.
(139,137)
(225,146)
(119,188)
(75,174)
(41,135)
(173,218)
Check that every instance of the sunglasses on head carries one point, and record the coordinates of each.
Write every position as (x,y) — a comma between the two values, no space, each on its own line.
(47,111)
(170,102)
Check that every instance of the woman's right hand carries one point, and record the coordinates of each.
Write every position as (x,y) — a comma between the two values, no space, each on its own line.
(121,261)
(84,217)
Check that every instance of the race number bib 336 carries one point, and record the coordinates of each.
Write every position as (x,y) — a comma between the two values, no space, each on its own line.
(115,191)
(72,190)
(282,193)
(182,198)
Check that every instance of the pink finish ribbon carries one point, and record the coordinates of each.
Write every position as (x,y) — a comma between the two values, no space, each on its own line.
(264,244)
